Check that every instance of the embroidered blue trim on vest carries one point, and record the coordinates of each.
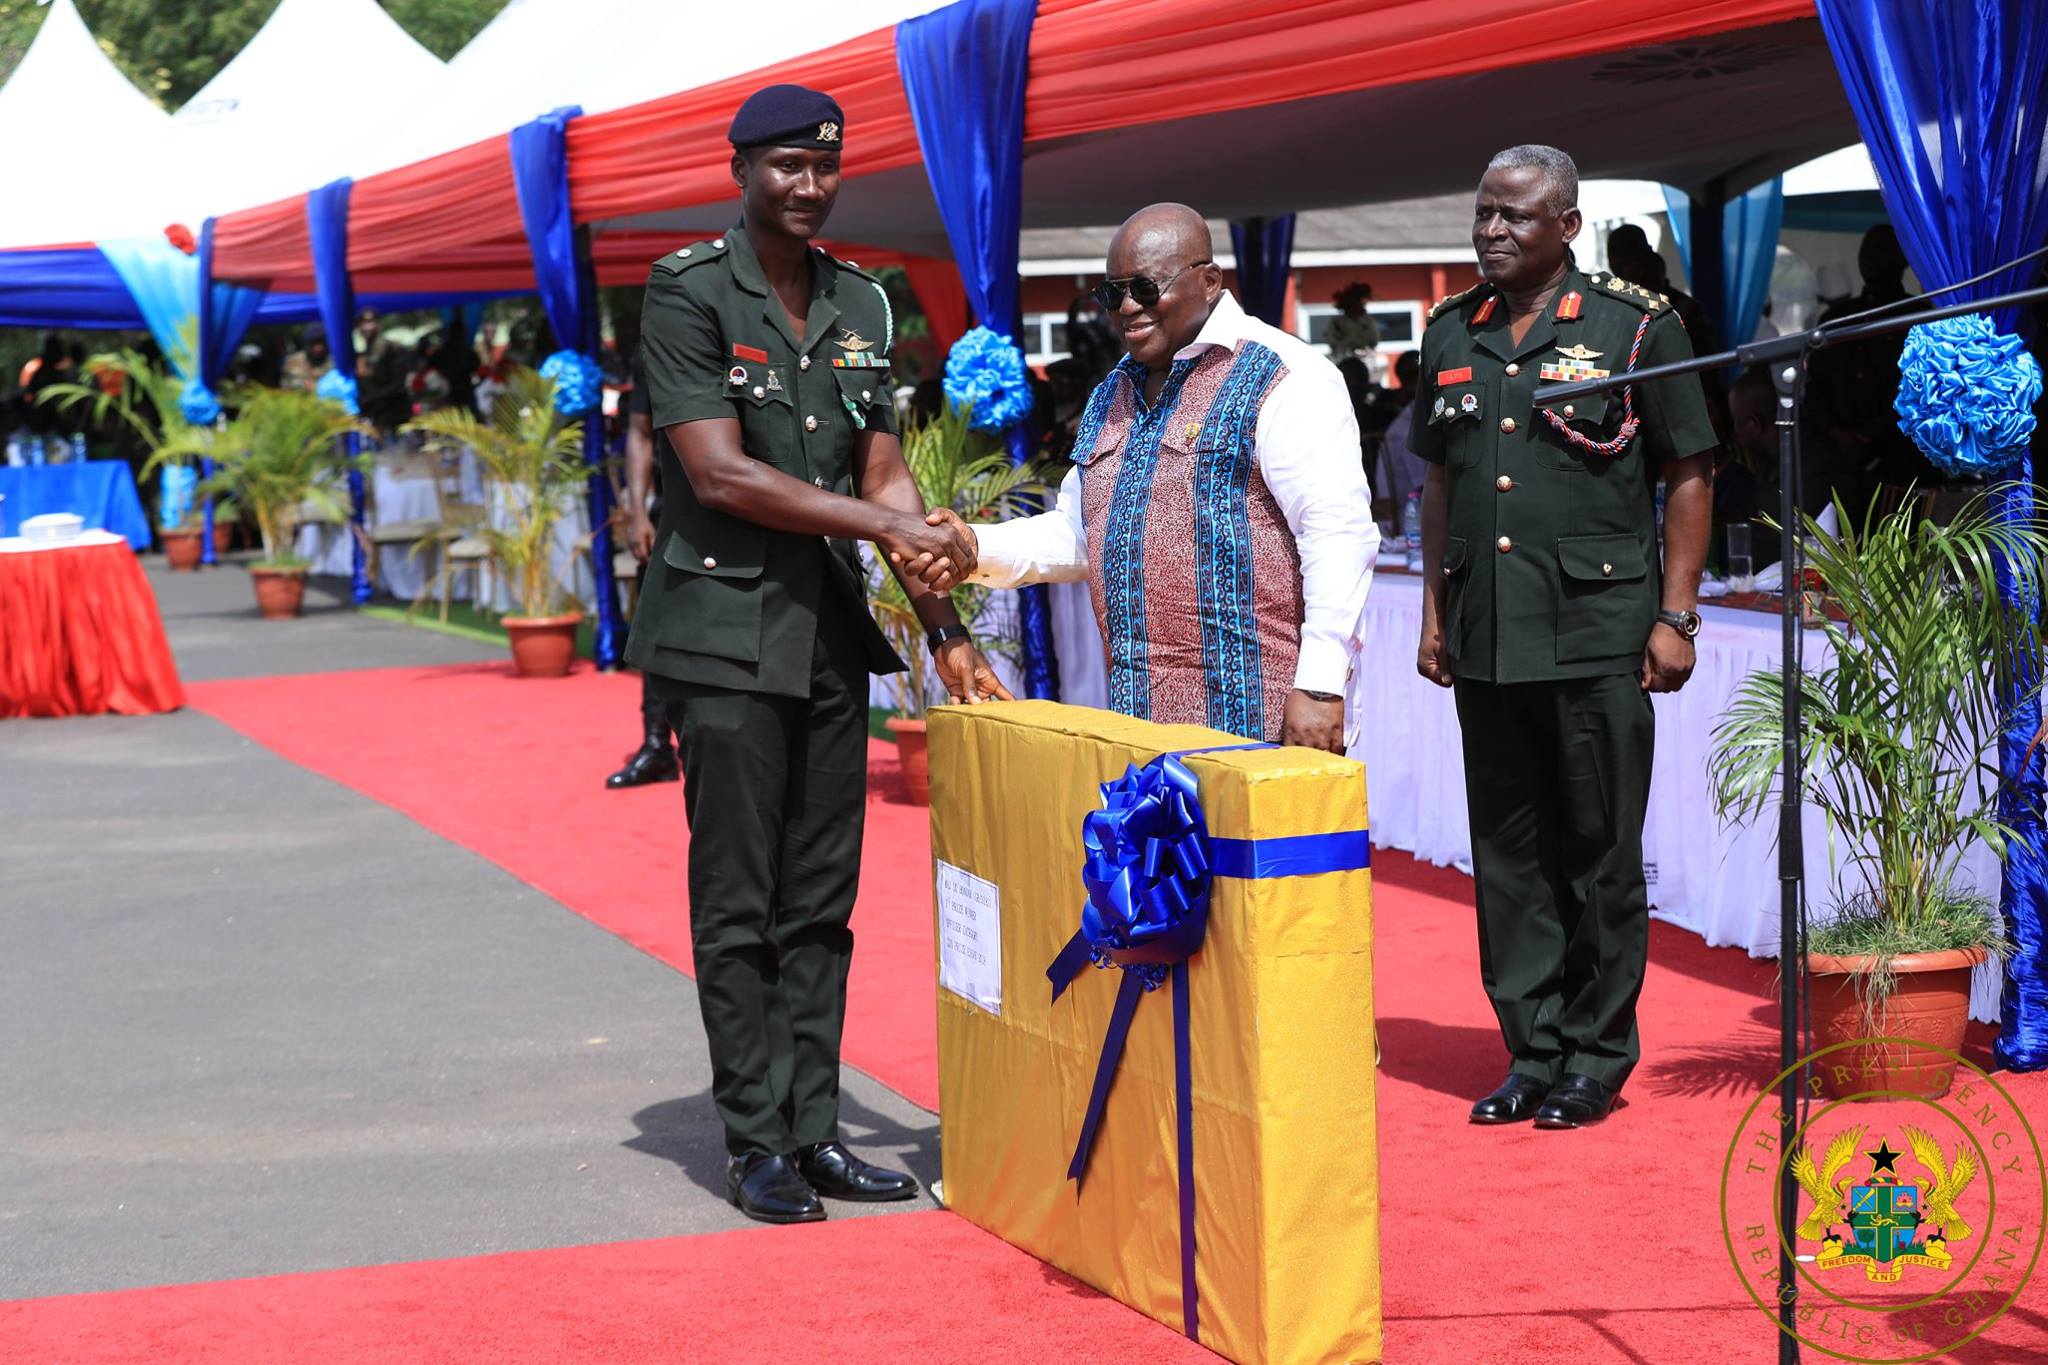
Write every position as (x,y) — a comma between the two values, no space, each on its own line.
(1223,545)
(1123,539)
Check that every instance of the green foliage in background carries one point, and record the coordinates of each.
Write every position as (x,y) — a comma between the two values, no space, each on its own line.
(170,51)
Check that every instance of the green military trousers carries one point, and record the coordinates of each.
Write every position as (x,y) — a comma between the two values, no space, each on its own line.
(775,790)
(1557,780)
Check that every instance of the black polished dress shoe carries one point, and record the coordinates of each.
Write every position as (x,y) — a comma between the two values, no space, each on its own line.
(1575,1102)
(769,1190)
(836,1173)
(648,764)
(1514,1100)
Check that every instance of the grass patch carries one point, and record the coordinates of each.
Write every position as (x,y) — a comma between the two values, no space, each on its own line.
(469,623)
(1963,922)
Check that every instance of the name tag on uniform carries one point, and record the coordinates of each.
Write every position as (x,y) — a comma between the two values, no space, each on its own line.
(753,353)
(1461,375)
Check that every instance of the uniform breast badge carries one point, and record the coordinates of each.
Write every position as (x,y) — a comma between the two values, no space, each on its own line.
(1469,405)
(774,382)
(855,347)
(1571,364)
(736,376)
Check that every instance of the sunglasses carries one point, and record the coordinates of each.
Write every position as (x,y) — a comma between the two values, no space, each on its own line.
(1146,290)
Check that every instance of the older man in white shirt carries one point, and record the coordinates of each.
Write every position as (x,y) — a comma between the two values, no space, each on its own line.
(1218,508)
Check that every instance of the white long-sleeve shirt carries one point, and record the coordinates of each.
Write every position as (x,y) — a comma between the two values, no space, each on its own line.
(1306,448)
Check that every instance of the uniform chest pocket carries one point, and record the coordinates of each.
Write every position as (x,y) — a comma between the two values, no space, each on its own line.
(1593,418)
(865,395)
(1459,414)
(767,415)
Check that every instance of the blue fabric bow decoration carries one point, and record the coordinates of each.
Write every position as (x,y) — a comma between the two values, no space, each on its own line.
(197,404)
(336,387)
(1966,394)
(579,382)
(985,374)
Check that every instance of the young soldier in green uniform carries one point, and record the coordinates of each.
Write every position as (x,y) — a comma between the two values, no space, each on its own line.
(1548,610)
(768,361)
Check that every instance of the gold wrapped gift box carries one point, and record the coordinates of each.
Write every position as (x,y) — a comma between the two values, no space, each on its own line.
(1285,1165)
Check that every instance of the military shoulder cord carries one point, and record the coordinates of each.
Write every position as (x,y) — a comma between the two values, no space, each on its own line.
(1629,420)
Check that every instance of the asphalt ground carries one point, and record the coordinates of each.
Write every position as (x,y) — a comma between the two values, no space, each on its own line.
(253,1022)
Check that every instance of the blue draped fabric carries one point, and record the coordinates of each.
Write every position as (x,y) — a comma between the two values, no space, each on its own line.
(964,69)
(327,234)
(1952,99)
(1749,250)
(568,294)
(65,287)
(224,312)
(164,282)
(1264,248)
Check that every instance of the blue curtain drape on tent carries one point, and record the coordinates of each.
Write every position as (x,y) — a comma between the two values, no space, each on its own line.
(568,294)
(1749,250)
(75,286)
(1264,248)
(327,231)
(964,69)
(224,314)
(1953,103)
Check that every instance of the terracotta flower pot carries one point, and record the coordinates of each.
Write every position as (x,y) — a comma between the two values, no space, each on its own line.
(1931,1004)
(181,548)
(542,646)
(915,758)
(223,534)
(278,591)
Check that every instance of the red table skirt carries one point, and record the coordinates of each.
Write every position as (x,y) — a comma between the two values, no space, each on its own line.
(80,635)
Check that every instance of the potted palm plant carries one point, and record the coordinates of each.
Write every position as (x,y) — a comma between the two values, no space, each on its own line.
(1898,737)
(274,457)
(144,397)
(957,467)
(532,464)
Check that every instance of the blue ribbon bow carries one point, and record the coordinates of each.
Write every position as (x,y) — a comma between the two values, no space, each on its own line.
(1149,867)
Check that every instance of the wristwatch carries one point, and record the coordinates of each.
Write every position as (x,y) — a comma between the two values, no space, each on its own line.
(938,635)
(1686,623)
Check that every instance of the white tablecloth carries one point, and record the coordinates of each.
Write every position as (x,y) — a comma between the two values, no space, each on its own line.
(22,545)
(1720,882)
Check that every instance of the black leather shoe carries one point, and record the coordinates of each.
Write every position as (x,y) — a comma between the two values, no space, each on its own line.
(768,1190)
(1576,1102)
(1514,1100)
(837,1173)
(648,764)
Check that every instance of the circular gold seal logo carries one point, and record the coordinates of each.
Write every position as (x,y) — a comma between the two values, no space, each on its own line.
(1919,1217)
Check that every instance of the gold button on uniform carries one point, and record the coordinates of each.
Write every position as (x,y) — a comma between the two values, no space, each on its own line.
(866,394)
(1606,570)
(1507,425)
(1513,370)
(810,424)
(709,562)
(803,362)
(1504,483)
(1503,545)
(760,392)
(1569,411)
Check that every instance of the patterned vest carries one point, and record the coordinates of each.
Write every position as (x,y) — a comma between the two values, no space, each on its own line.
(1196,578)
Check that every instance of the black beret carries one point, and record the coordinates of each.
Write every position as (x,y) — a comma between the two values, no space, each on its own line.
(787,116)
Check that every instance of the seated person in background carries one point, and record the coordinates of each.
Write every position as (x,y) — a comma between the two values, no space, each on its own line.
(1353,331)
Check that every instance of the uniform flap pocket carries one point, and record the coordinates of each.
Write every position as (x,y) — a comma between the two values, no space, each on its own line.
(865,387)
(760,385)
(734,554)
(1455,550)
(1587,410)
(1459,403)
(1601,559)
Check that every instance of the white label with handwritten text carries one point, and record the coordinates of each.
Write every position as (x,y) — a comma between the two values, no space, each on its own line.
(971,937)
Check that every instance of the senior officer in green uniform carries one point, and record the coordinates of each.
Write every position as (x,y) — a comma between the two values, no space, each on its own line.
(767,362)
(1547,609)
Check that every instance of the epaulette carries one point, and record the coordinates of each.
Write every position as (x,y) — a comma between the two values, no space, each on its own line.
(1615,287)
(1450,301)
(676,262)
(852,267)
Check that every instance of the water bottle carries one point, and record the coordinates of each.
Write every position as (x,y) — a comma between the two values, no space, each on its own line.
(78,447)
(1411,529)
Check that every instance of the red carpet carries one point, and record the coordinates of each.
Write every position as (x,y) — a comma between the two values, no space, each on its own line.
(1499,1245)
(886,1291)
